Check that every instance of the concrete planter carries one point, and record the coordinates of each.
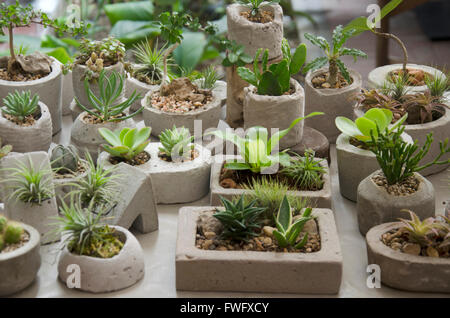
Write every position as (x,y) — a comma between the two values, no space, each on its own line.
(251,271)
(37,137)
(376,206)
(332,101)
(404,271)
(67,93)
(160,120)
(276,112)
(140,88)
(49,89)
(144,168)
(349,157)
(63,186)
(320,198)
(19,268)
(378,76)
(253,35)
(103,275)
(85,136)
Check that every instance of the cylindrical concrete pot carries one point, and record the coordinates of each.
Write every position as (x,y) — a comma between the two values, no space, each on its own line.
(103,275)
(404,271)
(19,268)
(67,93)
(354,164)
(276,112)
(254,35)
(49,89)
(378,76)
(332,101)
(376,206)
(208,116)
(37,137)
(85,136)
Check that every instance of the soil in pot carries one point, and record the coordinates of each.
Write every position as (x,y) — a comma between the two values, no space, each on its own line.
(416,77)
(24,239)
(138,160)
(264,16)
(192,155)
(405,187)
(81,168)
(27,121)
(320,81)
(39,63)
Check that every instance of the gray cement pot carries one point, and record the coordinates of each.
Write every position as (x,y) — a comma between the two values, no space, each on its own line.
(319,199)
(103,275)
(276,112)
(85,136)
(404,271)
(140,88)
(251,271)
(49,89)
(67,93)
(253,35)
(332,101)
(219,90)
(376,206)
(378,76)
(37,137)
(18,269)
(63,186)
(354,164)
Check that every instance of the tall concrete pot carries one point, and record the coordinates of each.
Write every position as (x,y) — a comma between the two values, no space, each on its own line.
(332,101)
(375,205)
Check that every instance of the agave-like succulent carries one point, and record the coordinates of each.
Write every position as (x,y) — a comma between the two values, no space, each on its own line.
(419,231)
(422,106)
(368,99)
(176,142)
(20,104)
(126,143)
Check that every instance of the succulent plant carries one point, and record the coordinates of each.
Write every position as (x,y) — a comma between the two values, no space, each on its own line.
(126,143)
(20,104)
(373,98)
(306,172)
(209,78)
(176,142)
(12,233)
(4,150)
(422,106)
(64,159)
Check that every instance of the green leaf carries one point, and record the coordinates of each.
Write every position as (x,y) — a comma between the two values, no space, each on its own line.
(282,242)
(366,126)
(134,10)
(60,54)
(298,59)
(269,85)
(281,72)
(189,53)
(344,71)
(237,166)
(109,136)
(318,41)
(347,126)
(379,117)
(284,216)
(353,52)
(315,64)
(398,123)
(129,137)
(142,135)
(359,25)
(302,242)
(247,75)
(129,32)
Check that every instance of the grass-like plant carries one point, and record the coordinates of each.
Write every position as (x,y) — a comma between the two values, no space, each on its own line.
(20,104)
(240,220)
(437,85)
(64,159)
(209,77)
(109,107)
(126,143)
(4,149)
(255,5)
(176,142)
(396,87)
(305,171)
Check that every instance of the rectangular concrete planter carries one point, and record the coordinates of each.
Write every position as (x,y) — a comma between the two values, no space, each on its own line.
(320,198)
(251,271)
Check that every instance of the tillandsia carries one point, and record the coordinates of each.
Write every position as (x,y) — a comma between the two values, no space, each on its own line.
(438,85)
(109,106)
(275,79)
(333,53)
(10,232)
(126,143)
(20,105)
(255,6)
(176,142)
(209,77)
(367,99)
(423,107)
(64,159)
(4,149)
(256,148)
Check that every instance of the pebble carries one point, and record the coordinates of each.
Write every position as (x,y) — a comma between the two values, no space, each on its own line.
(432,252)
(210,235)
(411,248)
(207,244)
(267,241)
(268,230)
(228,183)
(396,246)
(326,85)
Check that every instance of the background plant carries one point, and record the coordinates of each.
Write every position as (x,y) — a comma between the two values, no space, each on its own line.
(4,149)
(126,143)
(306,172)
(209,77)
(423,107)
(176,142)
(367,99)
(20,105)
(64,159)
(437,85)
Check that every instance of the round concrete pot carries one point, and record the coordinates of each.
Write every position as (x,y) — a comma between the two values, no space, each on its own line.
(404,271)
(253,35)
(349,157)
(332,101)
(85,136)
(103,275)
(378,77)
(37,137)
(276,112)
(67,93)
(49,89)
(209,115)
(19,268)
(376,206)
(219,90)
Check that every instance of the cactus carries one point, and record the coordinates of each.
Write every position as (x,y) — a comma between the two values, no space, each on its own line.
(4,150)
(64,159)
(13,233)
(3,221)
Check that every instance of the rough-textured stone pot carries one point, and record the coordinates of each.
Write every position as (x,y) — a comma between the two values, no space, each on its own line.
(276,112)
(404,271)
(332,101)
(103,275)
(375,205)
(49,89)
(19,268)
(378,76)
(319,199)
(86,136)
(250,271)
(67,94)
(354,164)
(160,120)
(315,140)
(253,35)
(37,137)
(63,186)
(440,129)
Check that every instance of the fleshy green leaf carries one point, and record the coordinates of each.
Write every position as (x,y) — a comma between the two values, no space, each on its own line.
(298,59)
(284,216)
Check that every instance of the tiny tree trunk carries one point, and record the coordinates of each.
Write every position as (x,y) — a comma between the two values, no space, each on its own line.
(164,79)
(12,59)
(397,39)
(333,70)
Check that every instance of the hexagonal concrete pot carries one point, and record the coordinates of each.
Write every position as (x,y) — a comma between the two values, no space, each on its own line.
(348,157)
(19,268)
(378,76)
(276,112)
(251,271)
(320,198)
(375,205)
(37,137)
(404,271)
(254,35)
(103,275)
(49,89)
(332,101)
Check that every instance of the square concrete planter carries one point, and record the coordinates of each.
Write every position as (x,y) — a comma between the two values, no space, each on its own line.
(251,271)
(320,198)
(404,271)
